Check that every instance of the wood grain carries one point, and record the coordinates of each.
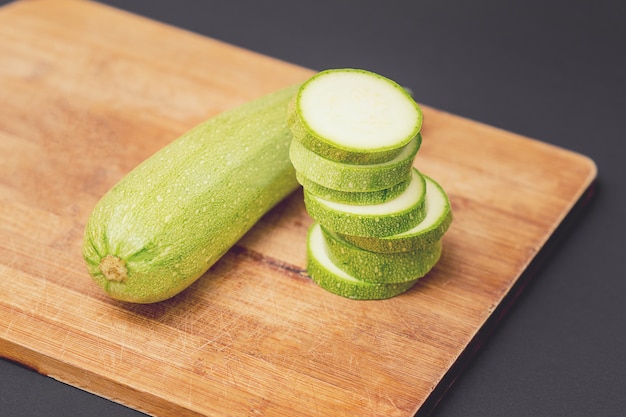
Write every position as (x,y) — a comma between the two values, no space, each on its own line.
(87,92)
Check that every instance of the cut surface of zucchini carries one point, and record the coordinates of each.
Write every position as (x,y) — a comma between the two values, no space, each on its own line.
(354,115)
(353,177)
(431,229)
(330,277)
(391,217)
(384,268)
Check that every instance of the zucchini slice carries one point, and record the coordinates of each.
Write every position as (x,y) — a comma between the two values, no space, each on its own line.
(353,177)
(333,279)
(360,198)
(383,268)
(353,115)
(437,221)
(391,217)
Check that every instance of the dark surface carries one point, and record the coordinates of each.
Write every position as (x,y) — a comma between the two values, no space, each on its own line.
(553,70)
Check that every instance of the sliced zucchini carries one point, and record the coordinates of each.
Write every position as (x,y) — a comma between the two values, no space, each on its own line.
(335,280)
(353,115)
(430,230)
(383,268)
(360,198)
(391,217)
(353,177)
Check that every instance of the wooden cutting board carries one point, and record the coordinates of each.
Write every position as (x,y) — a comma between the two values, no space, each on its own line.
(87,92)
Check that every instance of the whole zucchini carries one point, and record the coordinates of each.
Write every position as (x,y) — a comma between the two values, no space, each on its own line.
(171,218)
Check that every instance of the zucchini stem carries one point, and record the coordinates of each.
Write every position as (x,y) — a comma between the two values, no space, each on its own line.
(113,268)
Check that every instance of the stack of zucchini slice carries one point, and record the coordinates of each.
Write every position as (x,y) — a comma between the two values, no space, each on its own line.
(378,221)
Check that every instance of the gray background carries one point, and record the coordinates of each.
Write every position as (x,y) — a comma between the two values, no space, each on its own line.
(549,69)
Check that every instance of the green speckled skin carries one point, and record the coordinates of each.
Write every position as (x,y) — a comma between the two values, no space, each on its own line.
(366,197)
(353,288)
(408,242)
(367,225)
(177,213)
(382,268)
(353,177)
